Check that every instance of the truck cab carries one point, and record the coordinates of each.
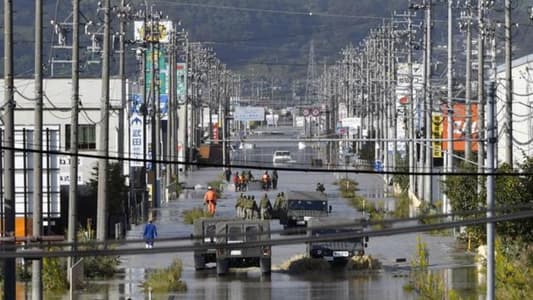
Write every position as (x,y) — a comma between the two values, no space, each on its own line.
(229,252)
(301,206)
(336,251)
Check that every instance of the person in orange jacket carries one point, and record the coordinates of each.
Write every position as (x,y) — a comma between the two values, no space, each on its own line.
(210,199)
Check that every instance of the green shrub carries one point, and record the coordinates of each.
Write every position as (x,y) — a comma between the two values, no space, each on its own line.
(402,206)
(96,266)
(166,280)
(55,274)
(427,284)
(190,215)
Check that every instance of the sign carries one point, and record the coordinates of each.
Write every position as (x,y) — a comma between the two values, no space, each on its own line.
(352,122)
(306,112)
(459,127)
(64,179)
(161,59)
(249,113)
(136,140)
(136,104)
(152,32)
(315,112)
(215,133)
(181,82)
(436,133)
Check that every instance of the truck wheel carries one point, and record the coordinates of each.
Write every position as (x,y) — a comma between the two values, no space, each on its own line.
(199,262)
(222,266)
(265,265)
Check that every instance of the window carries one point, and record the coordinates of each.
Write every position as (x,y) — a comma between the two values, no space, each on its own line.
(251,233)
(235,235)
(86,137)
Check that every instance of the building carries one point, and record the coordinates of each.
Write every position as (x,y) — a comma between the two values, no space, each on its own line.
(522,108)
(56,137)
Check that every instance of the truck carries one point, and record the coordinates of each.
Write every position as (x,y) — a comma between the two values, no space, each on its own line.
(336,251)
(224,236)
(301,206)
(205,234)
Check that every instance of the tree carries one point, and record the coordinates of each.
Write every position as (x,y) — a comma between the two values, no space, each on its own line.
(116,188)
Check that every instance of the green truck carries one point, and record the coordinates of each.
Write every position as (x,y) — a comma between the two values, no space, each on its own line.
(336,251)
(301,206)
(225,237)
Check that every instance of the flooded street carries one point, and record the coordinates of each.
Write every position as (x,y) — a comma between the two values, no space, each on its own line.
(386,283)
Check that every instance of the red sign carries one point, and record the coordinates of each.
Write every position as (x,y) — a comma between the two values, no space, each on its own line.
(215,132)
(404,100)
(459,127)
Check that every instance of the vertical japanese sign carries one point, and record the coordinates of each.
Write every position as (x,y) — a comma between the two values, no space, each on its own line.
(181,82)
(136,139)
(215,133)
(436,133)
(160,57)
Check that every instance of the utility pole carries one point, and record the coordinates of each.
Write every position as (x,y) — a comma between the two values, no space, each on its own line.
(37,225)
(9,154)
(491,230)
(412,133)
(154,87)
(101,224)
(122,16)
(481,93)
(429,107)
(508,119)
(449,154)
(171,146)
(468,83)
(73,179)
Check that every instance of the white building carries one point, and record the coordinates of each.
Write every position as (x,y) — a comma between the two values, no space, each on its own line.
(56,136)
(522,109)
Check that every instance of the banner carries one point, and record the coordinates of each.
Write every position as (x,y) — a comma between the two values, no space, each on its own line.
(159,32)
(249,113)
(436,133)
(459,127)
(181,82)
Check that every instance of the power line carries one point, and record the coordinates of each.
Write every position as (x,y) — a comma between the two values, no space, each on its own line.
(33,254)
(252,167)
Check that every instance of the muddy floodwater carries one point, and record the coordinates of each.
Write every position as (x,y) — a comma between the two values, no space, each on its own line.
(394,252)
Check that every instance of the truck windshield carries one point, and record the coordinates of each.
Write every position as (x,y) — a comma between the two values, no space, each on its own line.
(235,235)
(307,205)
(325,231)
(251,233)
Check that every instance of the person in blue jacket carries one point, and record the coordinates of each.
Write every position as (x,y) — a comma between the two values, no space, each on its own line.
(150,233)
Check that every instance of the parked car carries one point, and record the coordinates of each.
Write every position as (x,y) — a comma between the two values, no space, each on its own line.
(281,157)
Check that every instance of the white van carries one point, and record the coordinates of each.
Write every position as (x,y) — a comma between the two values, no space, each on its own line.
(281,156)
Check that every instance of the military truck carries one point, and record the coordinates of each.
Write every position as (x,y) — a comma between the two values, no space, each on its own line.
(223,236)
(230,255)
(205,233)
(336,251)
(301,206)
